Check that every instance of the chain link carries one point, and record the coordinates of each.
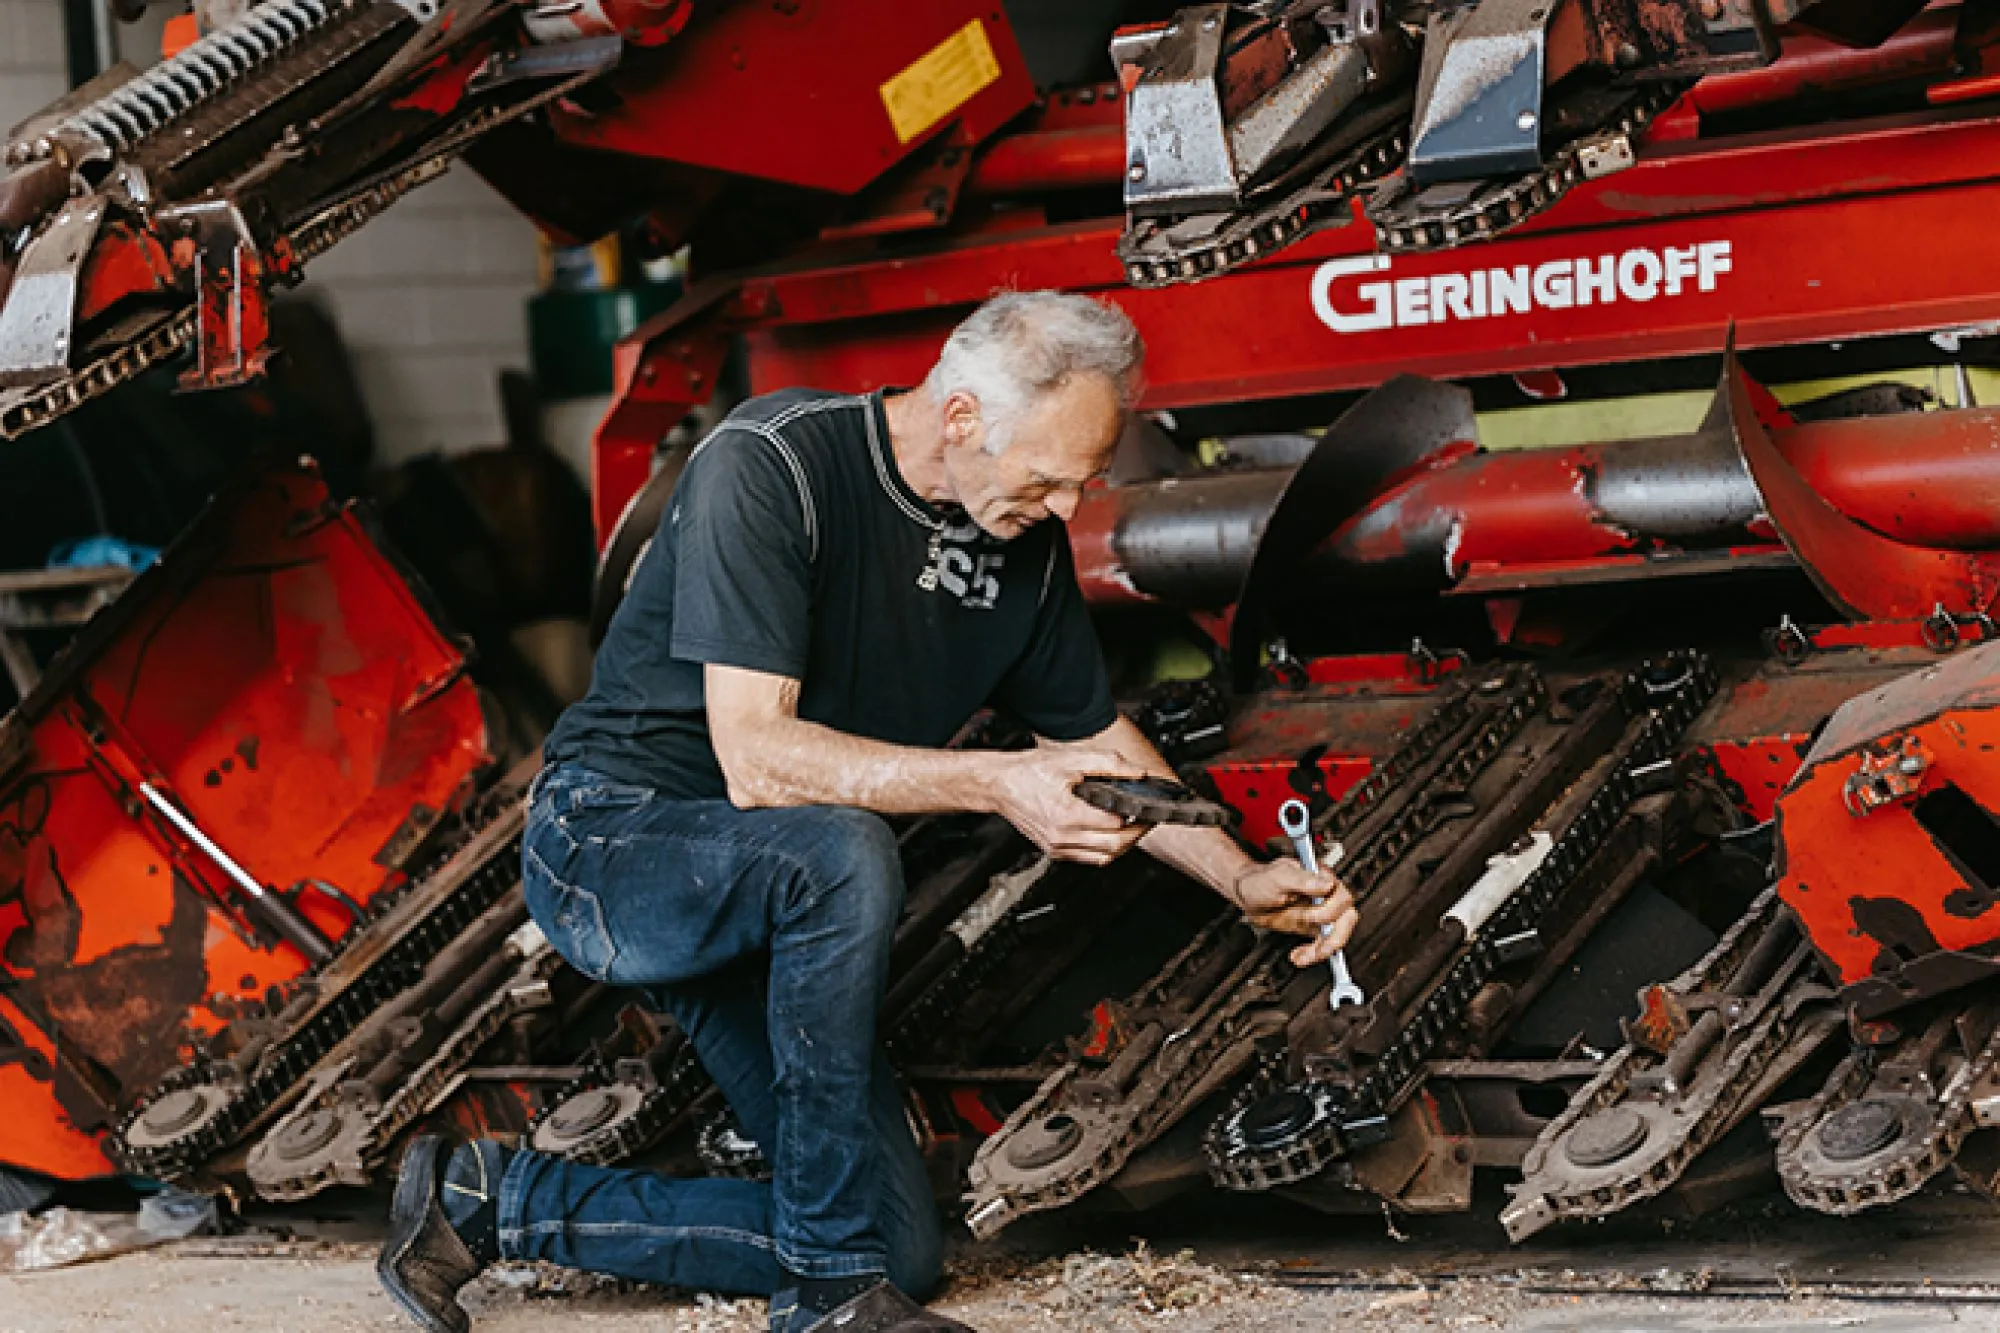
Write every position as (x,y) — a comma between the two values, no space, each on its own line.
(1885,1177)
(1331,1113)
(1404,224)
(485,865)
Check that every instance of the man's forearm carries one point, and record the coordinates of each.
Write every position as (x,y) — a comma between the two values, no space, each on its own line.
(770,757)
(1205,854)
(789,761)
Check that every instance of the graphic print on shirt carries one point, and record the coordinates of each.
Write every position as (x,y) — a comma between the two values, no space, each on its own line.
(970,575)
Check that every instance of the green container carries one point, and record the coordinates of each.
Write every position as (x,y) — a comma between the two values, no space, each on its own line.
(571,334)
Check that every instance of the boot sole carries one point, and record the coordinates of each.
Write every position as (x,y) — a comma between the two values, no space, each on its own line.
(407,1215)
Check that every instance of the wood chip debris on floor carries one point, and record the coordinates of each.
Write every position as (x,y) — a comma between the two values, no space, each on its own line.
(223,1287)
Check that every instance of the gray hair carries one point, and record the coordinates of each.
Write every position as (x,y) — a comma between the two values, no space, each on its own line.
(1020,345)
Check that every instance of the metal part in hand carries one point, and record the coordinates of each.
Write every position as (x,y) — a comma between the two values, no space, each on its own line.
(1296,820)
(1152,800)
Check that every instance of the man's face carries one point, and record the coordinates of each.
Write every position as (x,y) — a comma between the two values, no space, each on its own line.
(1064,440)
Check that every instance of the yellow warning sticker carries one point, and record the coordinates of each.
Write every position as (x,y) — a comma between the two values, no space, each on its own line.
(940,81)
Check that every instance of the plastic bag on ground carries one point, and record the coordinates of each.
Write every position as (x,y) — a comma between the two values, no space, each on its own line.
(58,1237)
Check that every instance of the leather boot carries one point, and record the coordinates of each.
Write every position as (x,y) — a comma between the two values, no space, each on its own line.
(424,1264)
(884,1309)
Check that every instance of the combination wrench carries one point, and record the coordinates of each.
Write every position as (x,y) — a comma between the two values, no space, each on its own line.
(1296,820)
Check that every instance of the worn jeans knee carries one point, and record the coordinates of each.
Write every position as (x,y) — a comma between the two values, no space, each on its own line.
(569,911)
(853,867)
(676,897)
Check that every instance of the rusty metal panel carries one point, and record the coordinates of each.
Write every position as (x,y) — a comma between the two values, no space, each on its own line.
(1889,843)
(276,676)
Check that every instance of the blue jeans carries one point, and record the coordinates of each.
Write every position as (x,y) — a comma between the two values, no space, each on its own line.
(766,934)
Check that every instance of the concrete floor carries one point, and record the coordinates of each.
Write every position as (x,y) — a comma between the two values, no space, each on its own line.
(168,1293)
(1933,1264)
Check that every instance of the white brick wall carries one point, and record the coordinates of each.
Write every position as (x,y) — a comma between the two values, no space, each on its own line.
(431,295)
(32,72)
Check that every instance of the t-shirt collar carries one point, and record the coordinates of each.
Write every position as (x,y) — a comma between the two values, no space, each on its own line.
(914,506)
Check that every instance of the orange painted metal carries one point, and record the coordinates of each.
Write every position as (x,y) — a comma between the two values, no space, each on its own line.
(280,677)
(1756,770)
(1889,836)
(126,262)
(1866,575)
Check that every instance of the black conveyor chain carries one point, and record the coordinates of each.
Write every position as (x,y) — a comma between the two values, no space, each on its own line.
(1237,1165)
(281,1067)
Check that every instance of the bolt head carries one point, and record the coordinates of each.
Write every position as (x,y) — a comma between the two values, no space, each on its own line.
(1137,172)
(1525,121)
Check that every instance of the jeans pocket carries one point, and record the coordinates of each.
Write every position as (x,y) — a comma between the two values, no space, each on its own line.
(571,916)
(605,796)
(595,812)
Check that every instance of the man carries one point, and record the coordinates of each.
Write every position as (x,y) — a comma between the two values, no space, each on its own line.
(838,585)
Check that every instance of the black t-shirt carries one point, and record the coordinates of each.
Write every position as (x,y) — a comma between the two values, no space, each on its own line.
(792,545)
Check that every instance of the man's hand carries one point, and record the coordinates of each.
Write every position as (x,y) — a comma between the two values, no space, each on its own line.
(1278,895)
(1034,795)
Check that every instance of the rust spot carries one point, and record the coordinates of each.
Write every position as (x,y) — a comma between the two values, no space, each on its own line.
(15,1051)
(1308,779)
(126,1009)
(119,1018)
(1668,26)
(1897,926)
(1968,903)
(409,835)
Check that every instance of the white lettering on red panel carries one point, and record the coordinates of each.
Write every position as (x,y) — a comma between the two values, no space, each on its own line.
(1638,274)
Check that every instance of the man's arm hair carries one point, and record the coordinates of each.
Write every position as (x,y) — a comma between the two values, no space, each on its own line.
(771,756)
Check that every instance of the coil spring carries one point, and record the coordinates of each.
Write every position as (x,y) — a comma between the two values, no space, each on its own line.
(142,107)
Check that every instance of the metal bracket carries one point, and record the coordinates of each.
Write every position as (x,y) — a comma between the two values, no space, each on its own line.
(1177,152)
(1479,94)
(1301,106)
(37,321)
(226,268)
(1605,152)
(588,55)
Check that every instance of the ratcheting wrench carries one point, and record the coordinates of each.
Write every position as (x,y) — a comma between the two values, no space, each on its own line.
(1296,820)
